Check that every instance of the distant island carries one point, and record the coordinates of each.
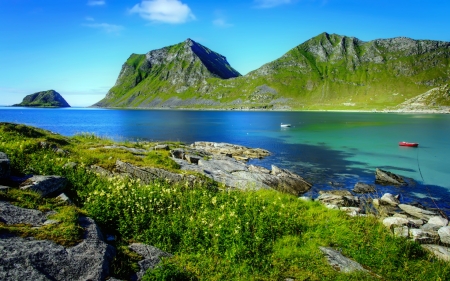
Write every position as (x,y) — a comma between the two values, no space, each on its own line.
(49,98)
(327,72)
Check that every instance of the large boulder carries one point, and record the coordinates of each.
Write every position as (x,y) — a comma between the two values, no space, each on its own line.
(389,199)
(329,199)
(388,178)
(5,166)
(361,187)
(444,234)
(390,222)
(30,259)
(10,214)
(441,252)
(237,151)
(152,257)
(46,186)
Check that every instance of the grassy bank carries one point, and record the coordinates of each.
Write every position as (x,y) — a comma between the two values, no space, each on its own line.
(213,233)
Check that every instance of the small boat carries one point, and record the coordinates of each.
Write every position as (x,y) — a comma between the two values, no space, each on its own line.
(285,125)
(410,144)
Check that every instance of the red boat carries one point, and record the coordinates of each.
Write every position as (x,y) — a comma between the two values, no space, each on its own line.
(410,144)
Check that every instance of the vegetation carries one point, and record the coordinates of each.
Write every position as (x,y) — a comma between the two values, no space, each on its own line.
(325,72)
(214,233)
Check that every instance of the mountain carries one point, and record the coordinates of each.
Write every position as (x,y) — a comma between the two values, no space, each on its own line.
(328,71)
(49,98)
(147,80)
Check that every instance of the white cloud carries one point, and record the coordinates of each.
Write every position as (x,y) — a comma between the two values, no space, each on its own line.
(166,11)
(89,18)
(221,22)
(96,2)
(271,3)
(108,28)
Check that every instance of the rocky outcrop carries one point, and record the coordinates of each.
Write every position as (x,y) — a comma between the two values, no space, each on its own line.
(45,185)
(341,263)
(152,257)
(388,178)
(49,98)
(361,187)
(31,259)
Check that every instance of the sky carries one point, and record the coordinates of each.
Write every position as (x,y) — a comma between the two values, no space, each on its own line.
(77,47)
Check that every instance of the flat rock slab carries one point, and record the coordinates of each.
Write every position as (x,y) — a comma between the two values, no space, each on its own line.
(340,262)
(152,257)
(417,212)
(441,252)
(45,185)
(30,259)
(11,214)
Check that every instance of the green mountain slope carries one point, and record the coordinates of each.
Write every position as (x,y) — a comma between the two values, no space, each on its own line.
(325,72)
(49,98)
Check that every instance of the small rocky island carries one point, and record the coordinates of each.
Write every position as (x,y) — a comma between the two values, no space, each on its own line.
(49,98)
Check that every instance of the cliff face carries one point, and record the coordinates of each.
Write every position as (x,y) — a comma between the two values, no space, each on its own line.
(166,72)
(328,71)
(49,98)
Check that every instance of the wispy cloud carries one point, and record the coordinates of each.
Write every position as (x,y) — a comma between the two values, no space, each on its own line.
(96,2)
(165,11)
(221,20)
(108,28)
(89,18)
(271,3)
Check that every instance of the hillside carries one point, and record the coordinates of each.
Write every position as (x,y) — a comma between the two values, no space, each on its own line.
(328,71)
(49,98)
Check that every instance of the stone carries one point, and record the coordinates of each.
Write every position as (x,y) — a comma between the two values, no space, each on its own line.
(5,166)
(430,227)
(438,220)
(389,199)
(10,214)
(389,222)
(63,197)
(363,188)
(100,171)
(423,237)
(401,231)
(339,192)
(444,234)
(341,201)
(45,185)
(388,178)
(441,252)
(70,165)
(152,257)
(417,212)
(339,262)
(30,259)
(177,153)
(161,147)
(332,206)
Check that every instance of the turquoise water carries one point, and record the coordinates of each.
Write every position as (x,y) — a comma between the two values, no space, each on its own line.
(330,149)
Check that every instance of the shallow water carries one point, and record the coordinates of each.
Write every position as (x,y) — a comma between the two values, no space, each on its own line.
(330,149)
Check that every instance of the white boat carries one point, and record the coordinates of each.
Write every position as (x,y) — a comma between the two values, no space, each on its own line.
(285,125)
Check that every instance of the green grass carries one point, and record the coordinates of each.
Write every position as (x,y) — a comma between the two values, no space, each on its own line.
(213,233)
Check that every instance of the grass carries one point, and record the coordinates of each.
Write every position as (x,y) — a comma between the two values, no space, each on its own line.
(213,233)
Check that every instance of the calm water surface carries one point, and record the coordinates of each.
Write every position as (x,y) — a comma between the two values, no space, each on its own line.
(330,149)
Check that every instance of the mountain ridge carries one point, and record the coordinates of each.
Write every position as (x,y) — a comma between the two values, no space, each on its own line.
(328,71)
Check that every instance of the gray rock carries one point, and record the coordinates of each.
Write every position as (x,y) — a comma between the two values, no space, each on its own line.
(417,212)
(5,166)
(338,192)
(389,222)
(363,188)
(444,234)
(389,199)
(430,227)
(340,262)
(341,201)
(161,147)
(438,220)
(135,151)
(401,231)
(70,165)
(177,153)
(100,171)
(63,197)
(30,259)
(152,257)
(11,214)
(230,149)
(441,252)
(385,177)
(45,185)
(423,237)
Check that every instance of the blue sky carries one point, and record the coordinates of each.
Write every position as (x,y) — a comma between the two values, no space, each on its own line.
(77,47)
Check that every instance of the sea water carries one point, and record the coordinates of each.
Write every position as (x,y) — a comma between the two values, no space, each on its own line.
(330,149)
